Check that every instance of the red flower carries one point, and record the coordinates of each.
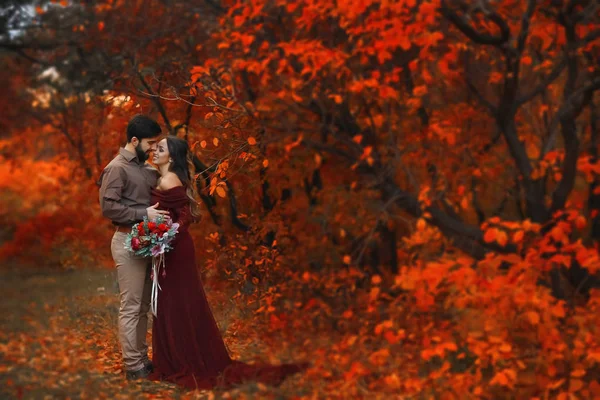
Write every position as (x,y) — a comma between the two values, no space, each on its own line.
(135,243)
(163,227)
(151,226)
(140,228)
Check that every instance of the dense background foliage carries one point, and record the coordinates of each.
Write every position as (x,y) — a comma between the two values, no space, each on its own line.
(407,191)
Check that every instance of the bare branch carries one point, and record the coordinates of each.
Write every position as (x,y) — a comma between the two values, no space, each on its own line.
(591,36)
(155,99)
(492,109)
(478,37)
(589,11)
(571,107)
(525,26)
(556,71)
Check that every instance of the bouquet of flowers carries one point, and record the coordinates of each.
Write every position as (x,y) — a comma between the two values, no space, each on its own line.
(152,239)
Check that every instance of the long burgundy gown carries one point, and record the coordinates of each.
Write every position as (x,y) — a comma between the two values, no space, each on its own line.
(188,348)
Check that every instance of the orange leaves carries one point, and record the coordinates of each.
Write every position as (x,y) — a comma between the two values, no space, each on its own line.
(251,141)
(218,187)
(506,377)
(247,40)
(366,155)
(393,381)
(277,322)
(375,279)
(444,131)
(393,338)
(578,373)
(495,235)
(588,167)
(318,160)
(356,370)
(588,258)
(221,191)
(533,317)
(336,98)
(580,222)
(501,238)
(505,348)
(495,77)
(558,234)
(385,325)
(420,91)
(438,350)
(424,300)
(558,310)
(385,55)
(379,357)
(526,60)
(533,151)
(464,203)
(518,236)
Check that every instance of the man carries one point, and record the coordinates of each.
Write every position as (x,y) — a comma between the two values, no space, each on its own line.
(125,187)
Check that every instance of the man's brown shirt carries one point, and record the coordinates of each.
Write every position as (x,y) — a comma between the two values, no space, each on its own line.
(125,185)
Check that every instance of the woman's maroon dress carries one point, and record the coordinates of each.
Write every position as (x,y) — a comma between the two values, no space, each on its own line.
(187,347)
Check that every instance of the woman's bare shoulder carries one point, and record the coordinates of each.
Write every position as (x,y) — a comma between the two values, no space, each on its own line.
(168,181)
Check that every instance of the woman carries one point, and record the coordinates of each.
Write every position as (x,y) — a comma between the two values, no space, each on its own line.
(187,346)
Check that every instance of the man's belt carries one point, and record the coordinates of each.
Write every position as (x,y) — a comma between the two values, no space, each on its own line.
(123,228)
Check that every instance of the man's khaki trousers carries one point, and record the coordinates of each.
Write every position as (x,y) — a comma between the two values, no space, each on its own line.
(134,287)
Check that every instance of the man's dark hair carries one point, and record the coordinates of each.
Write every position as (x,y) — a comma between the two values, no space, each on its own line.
(142,127)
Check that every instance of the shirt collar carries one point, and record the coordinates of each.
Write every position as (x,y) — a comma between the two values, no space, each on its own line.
(129,156)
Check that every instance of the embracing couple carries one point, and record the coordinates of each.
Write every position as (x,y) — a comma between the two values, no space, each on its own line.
(188,348)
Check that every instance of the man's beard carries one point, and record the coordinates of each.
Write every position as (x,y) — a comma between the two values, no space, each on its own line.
(141,154)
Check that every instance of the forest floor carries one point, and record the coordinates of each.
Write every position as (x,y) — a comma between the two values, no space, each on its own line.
(58,339)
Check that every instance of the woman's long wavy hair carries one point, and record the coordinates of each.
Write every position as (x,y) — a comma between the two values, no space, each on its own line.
(183,167)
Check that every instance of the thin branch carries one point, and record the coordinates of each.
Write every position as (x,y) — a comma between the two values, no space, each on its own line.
(155,99)
(589,11)
(572,106)
(478,37)
(491,108)
(591,36)
(525,20)
(556,71)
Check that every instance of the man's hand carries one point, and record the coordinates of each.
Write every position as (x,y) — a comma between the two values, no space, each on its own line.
(154,212)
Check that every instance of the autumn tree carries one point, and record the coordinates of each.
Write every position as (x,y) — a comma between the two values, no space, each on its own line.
(422,103)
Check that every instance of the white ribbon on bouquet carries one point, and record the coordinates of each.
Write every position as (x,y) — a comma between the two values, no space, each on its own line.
(158,261)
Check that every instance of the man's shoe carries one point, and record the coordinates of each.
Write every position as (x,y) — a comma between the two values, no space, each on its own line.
(139,374)
(149,367)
